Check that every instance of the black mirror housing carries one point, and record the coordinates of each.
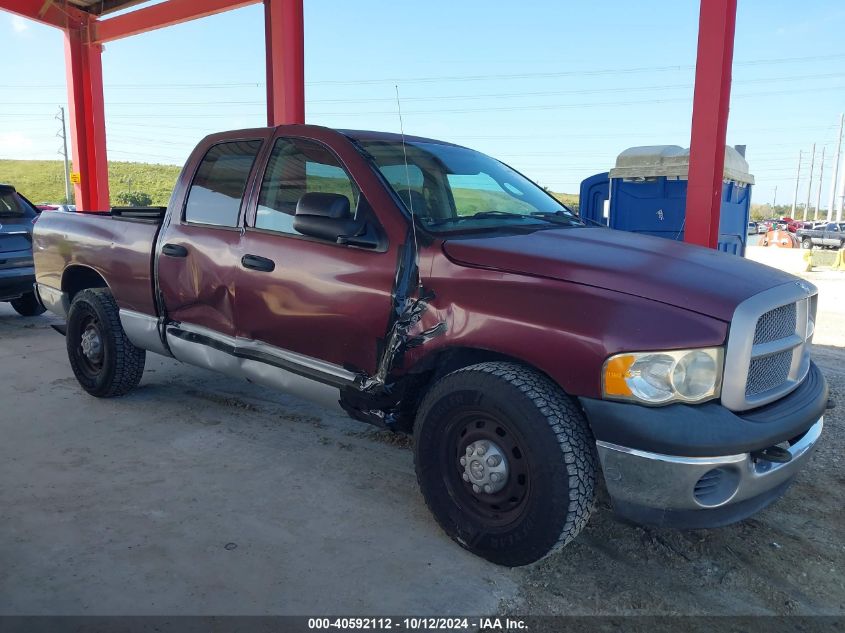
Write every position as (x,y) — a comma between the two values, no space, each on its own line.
(325,216)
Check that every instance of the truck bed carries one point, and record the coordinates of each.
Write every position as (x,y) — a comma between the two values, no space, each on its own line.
(117,245)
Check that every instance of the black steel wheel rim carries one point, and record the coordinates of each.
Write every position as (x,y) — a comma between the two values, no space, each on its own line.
(90,367)
(499,508)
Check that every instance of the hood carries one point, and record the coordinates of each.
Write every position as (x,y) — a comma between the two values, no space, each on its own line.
(691,277)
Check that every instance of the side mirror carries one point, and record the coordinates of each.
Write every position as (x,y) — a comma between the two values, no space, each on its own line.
(327,216)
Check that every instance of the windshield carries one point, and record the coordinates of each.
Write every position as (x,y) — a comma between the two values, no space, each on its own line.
(13,205)
(453,188)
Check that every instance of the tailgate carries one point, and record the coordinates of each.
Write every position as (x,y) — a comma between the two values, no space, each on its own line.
(12,241)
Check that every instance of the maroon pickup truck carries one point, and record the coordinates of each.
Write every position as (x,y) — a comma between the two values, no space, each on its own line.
(428,288)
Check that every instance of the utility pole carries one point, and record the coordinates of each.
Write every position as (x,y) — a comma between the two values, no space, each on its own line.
(835,170)
(797,179)
(775,199)
(63,151)
(841,195)
(810,184)
(821,180)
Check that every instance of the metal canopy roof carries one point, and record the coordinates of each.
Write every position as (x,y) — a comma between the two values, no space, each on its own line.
(102,7)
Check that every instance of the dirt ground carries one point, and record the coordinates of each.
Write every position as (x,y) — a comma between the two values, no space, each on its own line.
(199,495)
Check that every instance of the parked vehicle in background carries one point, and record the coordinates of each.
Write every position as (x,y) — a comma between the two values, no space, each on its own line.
(427,288)
(762,227)
(753,228)
(47,206)
(17,274)
(830,235)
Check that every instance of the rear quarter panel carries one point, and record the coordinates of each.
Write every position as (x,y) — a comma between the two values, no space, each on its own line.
(119,250)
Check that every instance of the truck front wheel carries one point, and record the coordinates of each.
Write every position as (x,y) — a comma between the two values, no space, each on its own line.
(807,243)
(505,461)
(104,361)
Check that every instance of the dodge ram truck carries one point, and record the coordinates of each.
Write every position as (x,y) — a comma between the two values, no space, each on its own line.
(427,288)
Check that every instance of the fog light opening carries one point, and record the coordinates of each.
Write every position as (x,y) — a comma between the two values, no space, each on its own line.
(716,487)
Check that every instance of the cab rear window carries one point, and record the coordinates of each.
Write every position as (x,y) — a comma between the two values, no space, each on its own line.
(218,188)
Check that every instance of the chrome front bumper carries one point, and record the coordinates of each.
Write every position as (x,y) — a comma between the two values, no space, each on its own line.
(698,491)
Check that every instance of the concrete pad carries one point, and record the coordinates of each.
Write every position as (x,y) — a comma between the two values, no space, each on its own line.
(790,260)
(197,494)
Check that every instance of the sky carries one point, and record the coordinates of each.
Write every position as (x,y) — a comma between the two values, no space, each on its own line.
(556,89)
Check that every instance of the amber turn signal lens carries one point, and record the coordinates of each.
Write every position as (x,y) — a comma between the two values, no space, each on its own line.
(616,370)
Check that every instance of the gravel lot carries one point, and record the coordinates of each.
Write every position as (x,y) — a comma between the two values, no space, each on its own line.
(197,495)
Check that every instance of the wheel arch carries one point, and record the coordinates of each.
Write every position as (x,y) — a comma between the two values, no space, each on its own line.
(427,370)
(78,277)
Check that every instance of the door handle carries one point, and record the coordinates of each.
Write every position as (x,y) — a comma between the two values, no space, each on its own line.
(174,250)
(256,262)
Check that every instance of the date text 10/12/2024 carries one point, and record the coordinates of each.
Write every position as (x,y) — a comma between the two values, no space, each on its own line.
(417,623)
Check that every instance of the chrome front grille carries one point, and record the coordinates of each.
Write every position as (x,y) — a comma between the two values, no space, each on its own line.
(768,373)
(776,324)
(767,354)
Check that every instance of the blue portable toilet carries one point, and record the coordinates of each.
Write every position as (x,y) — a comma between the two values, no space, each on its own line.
(593,198)
(648,193)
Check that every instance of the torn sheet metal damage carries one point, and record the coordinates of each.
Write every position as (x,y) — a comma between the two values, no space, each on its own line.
(378,397)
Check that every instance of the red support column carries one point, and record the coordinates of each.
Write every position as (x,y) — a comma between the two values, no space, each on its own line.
(711,103)
(285,50)
(87,120)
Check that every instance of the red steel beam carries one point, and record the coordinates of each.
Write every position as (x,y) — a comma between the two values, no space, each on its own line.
(711,103)
(285,51)
(48,12)
(160,15)
(87,121)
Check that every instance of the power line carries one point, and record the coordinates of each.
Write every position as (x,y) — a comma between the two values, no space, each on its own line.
(462,97)
(555,106)
(447,78)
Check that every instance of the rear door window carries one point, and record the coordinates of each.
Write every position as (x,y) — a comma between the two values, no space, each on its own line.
(218,187)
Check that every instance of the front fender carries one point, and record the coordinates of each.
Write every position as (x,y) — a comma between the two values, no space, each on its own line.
(565,330)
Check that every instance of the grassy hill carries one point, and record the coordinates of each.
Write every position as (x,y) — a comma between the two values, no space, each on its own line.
(569,199)
(43,181)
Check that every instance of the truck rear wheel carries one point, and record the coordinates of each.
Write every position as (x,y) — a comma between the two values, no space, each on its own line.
(505,461)
(103,360)
(27,305)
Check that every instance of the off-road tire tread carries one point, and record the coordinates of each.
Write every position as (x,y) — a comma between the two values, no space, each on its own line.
(129,360)
(567,421)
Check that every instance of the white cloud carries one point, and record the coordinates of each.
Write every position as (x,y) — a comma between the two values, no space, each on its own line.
(19,24)
(12,144)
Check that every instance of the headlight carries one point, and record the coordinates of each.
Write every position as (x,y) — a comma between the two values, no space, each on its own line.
(691,375)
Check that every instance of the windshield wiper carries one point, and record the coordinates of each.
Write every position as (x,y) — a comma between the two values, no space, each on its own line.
(552,217)
(568,218)
(494,214)
(483,215)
